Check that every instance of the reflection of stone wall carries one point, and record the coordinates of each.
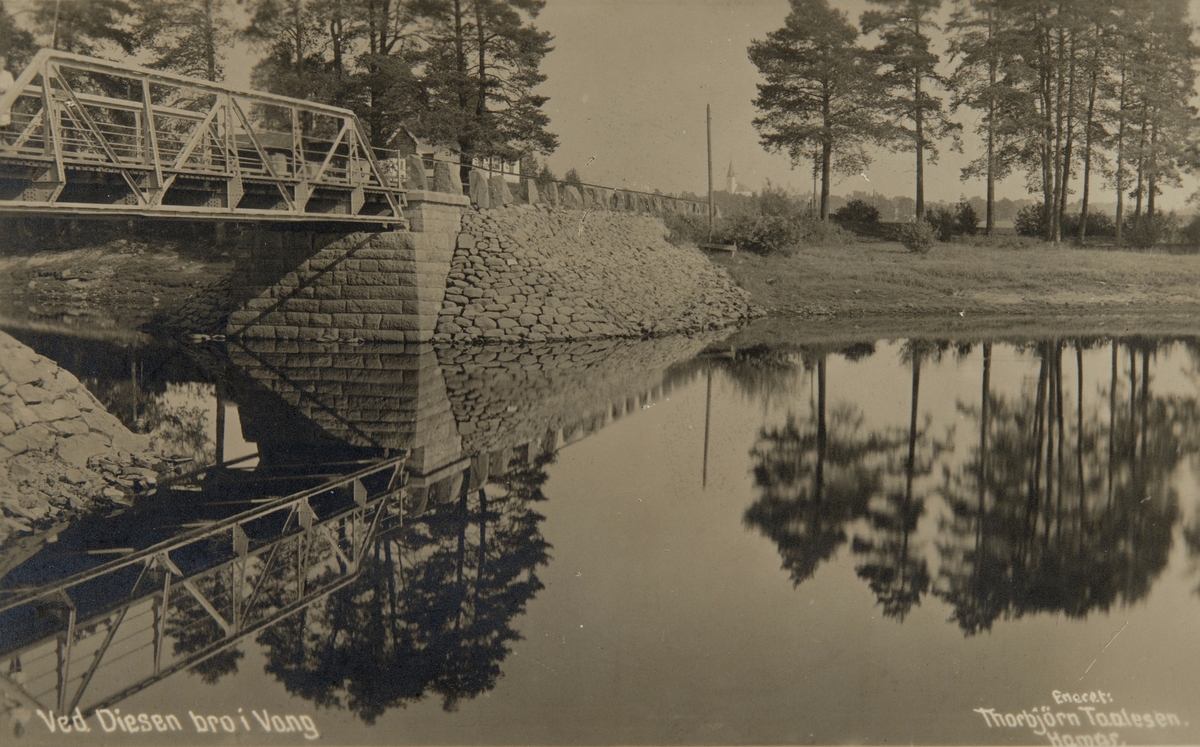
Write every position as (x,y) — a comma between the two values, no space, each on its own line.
(489,399)
(59,450)
(529,273)
(389,396)
(504,396)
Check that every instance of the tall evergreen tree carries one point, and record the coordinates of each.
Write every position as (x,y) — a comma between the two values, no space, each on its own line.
(908,72)
(480,69)
(16,43)
(186,36)
(84,26)
(815,101)
(978,40)
(1165,77)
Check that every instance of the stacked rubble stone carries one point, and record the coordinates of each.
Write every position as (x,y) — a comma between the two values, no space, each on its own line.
(60,451)
(506,395)
(535,273)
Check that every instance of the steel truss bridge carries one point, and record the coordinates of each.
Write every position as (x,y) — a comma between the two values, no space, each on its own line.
(97,637)
(85,137)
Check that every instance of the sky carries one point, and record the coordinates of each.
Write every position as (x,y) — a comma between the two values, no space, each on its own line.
(628,82)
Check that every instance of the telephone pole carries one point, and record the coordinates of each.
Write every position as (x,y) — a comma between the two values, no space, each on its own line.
(711,212)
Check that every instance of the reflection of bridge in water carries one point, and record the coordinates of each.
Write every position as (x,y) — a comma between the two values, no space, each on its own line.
(101,634)
(201,567)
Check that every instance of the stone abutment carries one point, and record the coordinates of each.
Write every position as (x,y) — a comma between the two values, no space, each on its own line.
(467,274)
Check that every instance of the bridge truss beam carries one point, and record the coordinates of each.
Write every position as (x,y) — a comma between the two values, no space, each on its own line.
(89,137)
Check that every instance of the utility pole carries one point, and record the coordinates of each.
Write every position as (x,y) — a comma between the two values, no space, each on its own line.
(54,34)
(711,212)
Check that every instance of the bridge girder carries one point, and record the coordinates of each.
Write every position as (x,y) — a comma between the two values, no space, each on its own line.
(88,137)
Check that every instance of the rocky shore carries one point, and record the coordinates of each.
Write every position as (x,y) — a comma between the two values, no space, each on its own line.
(60,451)
(533,273)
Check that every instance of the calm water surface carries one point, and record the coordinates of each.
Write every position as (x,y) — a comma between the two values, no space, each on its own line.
(676,542)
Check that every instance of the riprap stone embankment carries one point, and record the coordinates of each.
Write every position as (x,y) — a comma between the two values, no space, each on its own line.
(60,451)
(533,273)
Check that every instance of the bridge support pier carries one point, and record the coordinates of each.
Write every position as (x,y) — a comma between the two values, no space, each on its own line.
(374,287)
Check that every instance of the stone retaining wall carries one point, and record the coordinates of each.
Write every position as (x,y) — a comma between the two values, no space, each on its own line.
(535,273)
(519,273)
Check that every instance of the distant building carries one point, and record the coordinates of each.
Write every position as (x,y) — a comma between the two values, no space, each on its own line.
(408,144)
(731,185)
(511,170)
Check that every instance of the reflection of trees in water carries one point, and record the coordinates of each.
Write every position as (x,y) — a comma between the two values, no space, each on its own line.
(762,373)
(1057,509)
(192,628)
(819,475)
(1050,515)
(814,477)
(893,566)
(431,610)
(176,416)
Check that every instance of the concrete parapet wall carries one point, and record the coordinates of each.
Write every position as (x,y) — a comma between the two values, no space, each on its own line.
(535,273)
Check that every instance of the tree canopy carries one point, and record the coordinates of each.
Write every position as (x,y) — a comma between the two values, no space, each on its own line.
(815,101)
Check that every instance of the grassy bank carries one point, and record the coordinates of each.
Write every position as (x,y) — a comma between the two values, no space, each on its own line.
(880,284)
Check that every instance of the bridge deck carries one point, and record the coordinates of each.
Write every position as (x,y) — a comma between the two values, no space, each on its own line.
(87,137)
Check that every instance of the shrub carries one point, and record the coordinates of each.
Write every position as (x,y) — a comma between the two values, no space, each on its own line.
(917,237)
(762,234)
(774,200)
(773,221)
(857,214)
(1189,235)
(1099,225)
(821,232)
(686,228)
(1031,220)
(1153,229)
(943,223)
(966,221)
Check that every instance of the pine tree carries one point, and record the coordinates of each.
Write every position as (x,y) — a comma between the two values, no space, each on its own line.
(815,101)
(84,26)
(908,72)
(479,71)
(15,42)
(978,39)
(188,37)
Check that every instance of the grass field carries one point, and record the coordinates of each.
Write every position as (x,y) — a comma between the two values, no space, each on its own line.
(882,286)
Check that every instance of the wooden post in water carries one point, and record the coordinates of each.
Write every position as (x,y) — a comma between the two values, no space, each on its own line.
(711,215)
(220,431)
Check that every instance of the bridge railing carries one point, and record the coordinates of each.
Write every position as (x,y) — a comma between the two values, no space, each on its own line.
(167,142)
(619,198)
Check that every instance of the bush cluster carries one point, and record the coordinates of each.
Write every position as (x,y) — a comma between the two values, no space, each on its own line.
(917,237)
(774,221)
(1154,229)
(947,223)
(857,215)
(1033,220)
